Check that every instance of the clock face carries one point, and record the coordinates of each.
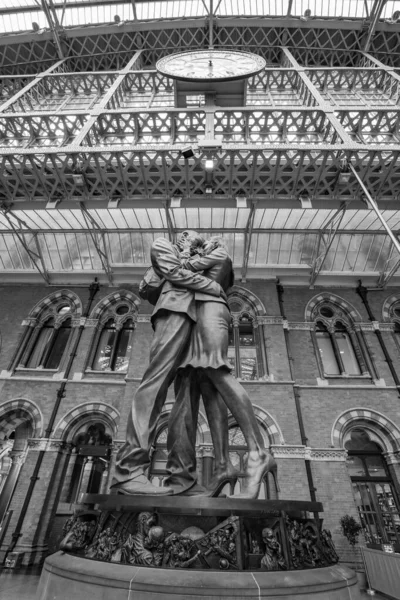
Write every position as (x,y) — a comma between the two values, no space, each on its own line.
(210,65)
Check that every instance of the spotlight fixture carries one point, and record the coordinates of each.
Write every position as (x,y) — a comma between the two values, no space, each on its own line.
(78,179)
(307,15)
(241,202)
(175,202)
(209,164)
(52,203)
(187,152)
(304,200)
(344,173)
(209,190)
(35,26)
(395,17)
(117,19)
(113,202)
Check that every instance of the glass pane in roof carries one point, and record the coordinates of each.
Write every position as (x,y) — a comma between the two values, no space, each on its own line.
(90,15)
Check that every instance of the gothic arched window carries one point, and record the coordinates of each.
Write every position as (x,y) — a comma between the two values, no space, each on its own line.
(374,492)
(114,345)
(158,470)
(338,346)
(245,348)
(47,336)
(50,345)
(112,341)
(88,468)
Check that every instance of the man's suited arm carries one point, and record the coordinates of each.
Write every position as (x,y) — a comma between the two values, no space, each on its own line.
(168,265)
(203,263)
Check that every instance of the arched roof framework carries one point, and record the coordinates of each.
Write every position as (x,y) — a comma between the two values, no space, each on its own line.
(278,157)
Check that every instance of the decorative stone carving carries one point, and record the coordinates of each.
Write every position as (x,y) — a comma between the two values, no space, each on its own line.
(328,454)
(48,445)
(143,319)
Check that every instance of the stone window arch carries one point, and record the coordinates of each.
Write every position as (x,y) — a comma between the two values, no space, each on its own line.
(391,313)
(48,332)
(246,350)
(89,464)
(339,346)
(374,491)
(114,321)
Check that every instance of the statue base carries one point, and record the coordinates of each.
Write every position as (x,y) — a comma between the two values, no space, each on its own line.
(159,548)
(68,577)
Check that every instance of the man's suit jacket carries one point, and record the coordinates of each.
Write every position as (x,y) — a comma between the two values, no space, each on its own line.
(177,294)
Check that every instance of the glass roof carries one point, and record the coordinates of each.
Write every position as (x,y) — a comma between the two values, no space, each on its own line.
(202,219)
(18,15)
(281,240)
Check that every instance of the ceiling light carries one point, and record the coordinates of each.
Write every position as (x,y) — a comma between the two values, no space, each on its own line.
(209,164)
(209,189)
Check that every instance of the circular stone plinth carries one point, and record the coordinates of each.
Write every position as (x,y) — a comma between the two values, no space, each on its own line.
(66,577)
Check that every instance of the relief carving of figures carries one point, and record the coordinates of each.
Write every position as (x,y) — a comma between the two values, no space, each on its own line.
(222,541)
(328,546)
(146,546)
(273,559)
(79,533)
(179,551)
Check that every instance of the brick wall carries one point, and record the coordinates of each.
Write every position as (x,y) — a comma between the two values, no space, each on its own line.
(320,405)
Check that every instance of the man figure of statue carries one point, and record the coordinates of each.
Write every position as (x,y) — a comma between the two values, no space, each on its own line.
(205,368)
(172,320)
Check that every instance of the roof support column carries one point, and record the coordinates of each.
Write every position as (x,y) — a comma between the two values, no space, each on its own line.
(325,240)
(17,228)
(384,277)
(247,239)
(97,236)
(377,11)
(54,25)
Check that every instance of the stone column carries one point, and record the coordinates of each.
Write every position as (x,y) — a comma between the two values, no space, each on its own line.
(17,460)
(36,527)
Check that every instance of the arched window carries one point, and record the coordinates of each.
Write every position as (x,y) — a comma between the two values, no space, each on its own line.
(245,348)
(158,470)
(338,347)
(48,333)
(88,468)
(114,346)
(50,345)
(374,493)
(112,341)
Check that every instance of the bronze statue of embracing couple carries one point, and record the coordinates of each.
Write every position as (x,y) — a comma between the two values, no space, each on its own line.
(191,321)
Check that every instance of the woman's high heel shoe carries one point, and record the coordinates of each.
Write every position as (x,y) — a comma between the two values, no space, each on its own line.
(219,481)
(257,471)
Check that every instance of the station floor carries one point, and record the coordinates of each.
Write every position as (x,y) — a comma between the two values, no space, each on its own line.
(23,585)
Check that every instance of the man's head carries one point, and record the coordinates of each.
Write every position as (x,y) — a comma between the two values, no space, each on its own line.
(190,238)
